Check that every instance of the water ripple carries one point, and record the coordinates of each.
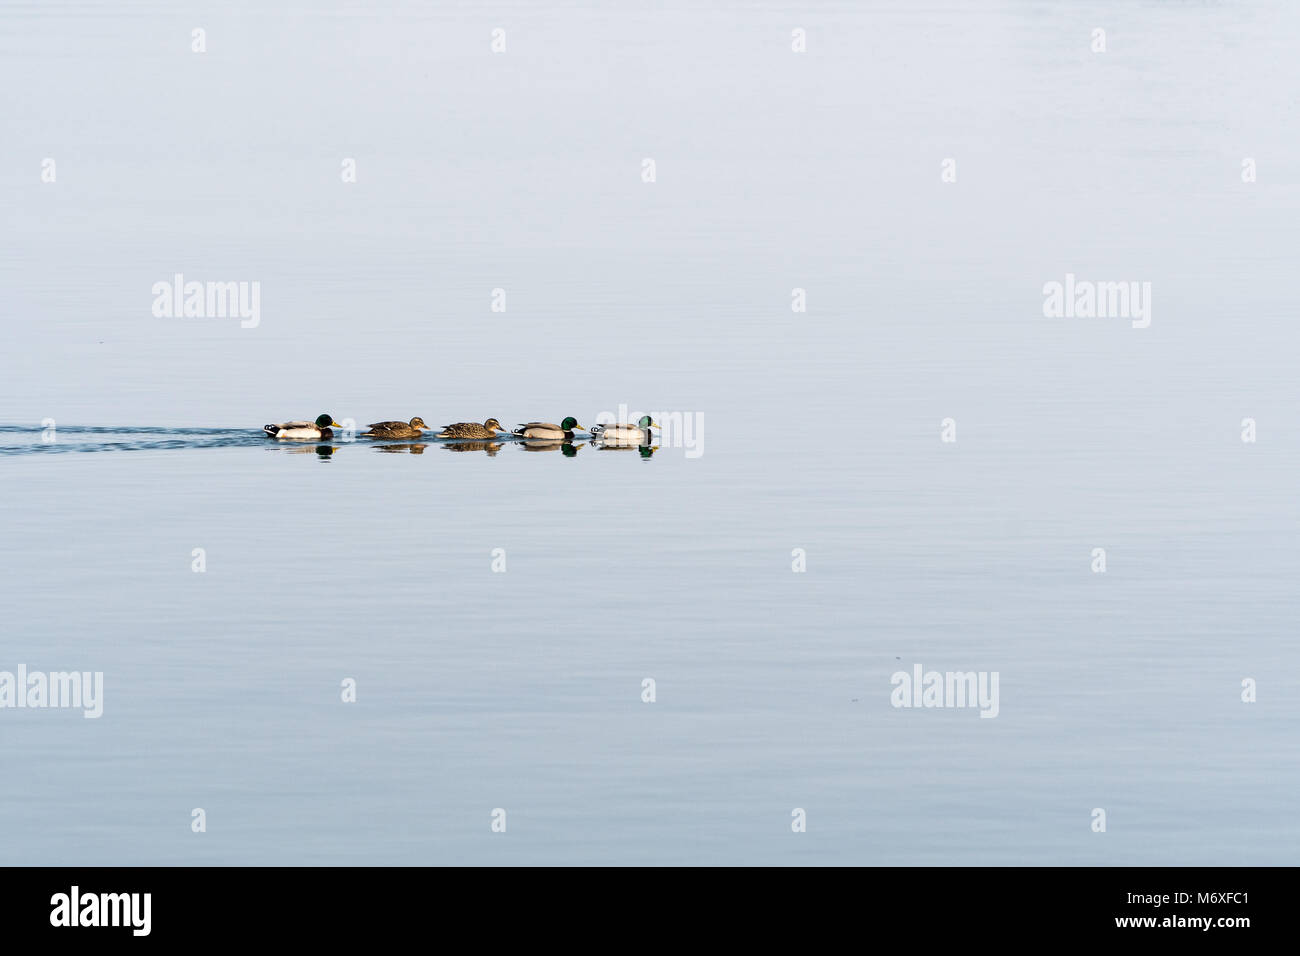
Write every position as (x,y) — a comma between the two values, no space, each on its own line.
(33,440)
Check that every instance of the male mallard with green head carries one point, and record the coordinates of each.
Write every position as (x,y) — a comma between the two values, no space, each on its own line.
(488,429)
(548,432)
(413,429)
(640,432)
(320,428)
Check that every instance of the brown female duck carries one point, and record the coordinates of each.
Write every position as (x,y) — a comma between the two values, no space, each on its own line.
(413,429)
(488,429)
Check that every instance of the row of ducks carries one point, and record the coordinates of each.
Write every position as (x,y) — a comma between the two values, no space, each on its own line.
(567,448)
(323,426)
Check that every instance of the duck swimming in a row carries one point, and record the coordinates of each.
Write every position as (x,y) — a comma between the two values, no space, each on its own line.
(320,428)
(639,433)
(548,432)
(488,429)
(413,429)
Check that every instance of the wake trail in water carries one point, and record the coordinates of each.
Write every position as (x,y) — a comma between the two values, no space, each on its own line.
(25,440)
(85,439)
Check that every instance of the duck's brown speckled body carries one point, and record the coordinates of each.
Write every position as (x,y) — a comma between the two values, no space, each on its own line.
(412,429)
(472,430)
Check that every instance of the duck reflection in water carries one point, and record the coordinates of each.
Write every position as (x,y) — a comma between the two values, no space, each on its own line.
(615,445)
(398,449)
(491,447)
(567,448)
(320,451)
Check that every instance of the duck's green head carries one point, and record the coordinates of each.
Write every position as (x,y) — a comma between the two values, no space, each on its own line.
(646,422)
(418,422)
(569,424)
(327,421)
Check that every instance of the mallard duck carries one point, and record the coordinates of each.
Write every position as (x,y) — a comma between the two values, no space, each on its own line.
(549,432)
(488,429)
(639,433)
(320,428)
(396,429)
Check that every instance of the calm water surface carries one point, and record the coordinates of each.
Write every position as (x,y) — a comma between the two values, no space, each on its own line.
(522,690)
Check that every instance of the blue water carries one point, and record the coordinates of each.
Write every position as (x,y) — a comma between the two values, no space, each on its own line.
(521,688)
